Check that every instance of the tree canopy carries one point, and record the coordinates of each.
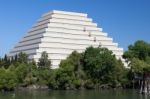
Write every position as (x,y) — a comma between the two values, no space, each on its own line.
(138,55)
(44,62)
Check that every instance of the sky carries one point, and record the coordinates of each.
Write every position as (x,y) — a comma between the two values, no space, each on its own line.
(124,20)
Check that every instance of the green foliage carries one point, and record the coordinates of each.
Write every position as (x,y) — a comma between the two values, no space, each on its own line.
(52,83)
(102,66)
(94,68)
(31,76)
(21,72)
(5,62)
(2,76)
(140,50)
(22,57)
(138,65)
(8,79)
(64,79)
(44,62)
(43,76)
(71,73)
(139,56)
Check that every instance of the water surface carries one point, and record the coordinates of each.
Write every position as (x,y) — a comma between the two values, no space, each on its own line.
(86,94)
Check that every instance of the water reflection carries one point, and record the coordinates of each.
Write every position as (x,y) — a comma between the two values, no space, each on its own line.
(86,94)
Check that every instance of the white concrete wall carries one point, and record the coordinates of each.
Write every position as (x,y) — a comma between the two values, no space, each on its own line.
(59,33)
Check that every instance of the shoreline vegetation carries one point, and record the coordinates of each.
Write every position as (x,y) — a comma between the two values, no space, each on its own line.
(95,68)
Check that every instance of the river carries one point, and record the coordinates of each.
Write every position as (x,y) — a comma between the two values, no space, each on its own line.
(86,94)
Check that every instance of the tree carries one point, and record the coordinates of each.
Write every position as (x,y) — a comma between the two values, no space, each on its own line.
(140,49)
(2,80)
(43,76)
(44,62)
(1,62)
(138,55)
(52,82)
(8,79)
(22,58)
(72,62)
(21,71)
(6,61)
(44,69)
(97,59)
(138,66)
(102,66)
(32,74)
(70,74)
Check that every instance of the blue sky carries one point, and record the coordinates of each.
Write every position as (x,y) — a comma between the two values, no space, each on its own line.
(124,20)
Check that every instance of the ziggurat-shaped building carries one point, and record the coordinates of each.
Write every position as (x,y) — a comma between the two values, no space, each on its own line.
(59,33)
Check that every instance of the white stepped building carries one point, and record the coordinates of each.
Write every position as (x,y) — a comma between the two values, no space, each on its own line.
(59,33)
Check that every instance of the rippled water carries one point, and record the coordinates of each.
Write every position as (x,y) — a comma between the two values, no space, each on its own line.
(86,94)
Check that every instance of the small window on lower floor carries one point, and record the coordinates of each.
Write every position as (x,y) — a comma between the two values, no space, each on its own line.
(94,39)
(84,29)
(89,34)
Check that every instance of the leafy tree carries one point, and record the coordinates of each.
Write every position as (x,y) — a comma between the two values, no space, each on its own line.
(52,82)
(2,80)
(21,71)
(97,61)
(102,66)
(138,66)
(44,69)
(1,62)
(5,61)
(64,78)
(138,55)
(44,62)
(8,79)
(140,49)
(73,70)
(16,58)
(31,76)
(22,58)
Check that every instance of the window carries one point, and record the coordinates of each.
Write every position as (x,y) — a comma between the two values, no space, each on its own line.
(94,39)
(84,29)
(89,34)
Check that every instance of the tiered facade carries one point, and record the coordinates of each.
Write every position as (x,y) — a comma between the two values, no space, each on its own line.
(59,33)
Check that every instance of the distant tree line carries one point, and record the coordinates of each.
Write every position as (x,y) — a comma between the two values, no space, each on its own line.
(93,68)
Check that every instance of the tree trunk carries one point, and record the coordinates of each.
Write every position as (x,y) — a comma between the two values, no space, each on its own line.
(148,86)
(145,87)
(141,89)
